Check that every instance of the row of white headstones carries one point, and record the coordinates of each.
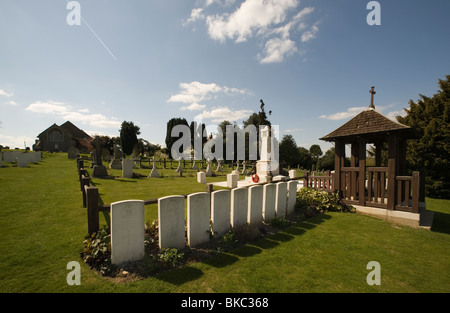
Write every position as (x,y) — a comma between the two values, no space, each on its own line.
(215,212)
(22,158)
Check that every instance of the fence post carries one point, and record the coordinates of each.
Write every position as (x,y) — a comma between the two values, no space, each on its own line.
(80,163)
(92,209)
(209,188)
(306,179)
(415,191)
(84,182)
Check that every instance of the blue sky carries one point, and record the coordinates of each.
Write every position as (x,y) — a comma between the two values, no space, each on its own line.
(312,62)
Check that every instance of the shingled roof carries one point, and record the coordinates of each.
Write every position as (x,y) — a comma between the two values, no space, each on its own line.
(368,122)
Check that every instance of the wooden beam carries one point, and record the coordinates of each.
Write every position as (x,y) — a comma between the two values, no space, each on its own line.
(362,173)
(392,171)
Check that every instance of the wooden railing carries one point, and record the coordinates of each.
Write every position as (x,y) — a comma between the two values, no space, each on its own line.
(375,189)
(325,182)
(407,198)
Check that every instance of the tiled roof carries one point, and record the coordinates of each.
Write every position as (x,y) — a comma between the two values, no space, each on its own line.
(365,123)
(75,131)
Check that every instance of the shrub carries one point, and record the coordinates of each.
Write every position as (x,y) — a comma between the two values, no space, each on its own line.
(321,201)
(279,222)
(97,251)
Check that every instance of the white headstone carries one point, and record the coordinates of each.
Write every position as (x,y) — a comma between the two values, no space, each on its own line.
(220,211)
(22,160)
(154,172)
(281,199)
(127,168)
(171,222)
(232,180)
(201,177)
(255,201)
(10,156)
(127,231)
(198,218)
(292,174)
(239,206)
(292,196)
(269,196)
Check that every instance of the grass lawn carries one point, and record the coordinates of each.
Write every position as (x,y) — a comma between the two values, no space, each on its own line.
(43,224)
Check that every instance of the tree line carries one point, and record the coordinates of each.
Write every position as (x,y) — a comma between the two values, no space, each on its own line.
(428,152)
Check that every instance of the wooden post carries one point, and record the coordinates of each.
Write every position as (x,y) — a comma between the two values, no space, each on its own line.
(81,173)
(354,161)
(80,163)
(92,209)
(338,164)
(362,173)
(84,182)
(392,171)
(415,191)
(209,188)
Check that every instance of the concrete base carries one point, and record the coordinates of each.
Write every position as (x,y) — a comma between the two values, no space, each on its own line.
(423,219)
(99,171)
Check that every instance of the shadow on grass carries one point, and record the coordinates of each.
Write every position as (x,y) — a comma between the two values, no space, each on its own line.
(221,260)
(441,223)
(181,275)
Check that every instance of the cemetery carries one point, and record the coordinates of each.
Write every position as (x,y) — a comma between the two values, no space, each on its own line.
(156,224)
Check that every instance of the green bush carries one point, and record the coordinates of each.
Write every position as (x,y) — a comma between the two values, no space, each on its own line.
(97,251)
(279,222)
(321,201)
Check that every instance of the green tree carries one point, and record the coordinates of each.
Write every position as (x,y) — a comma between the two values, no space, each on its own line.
(305,158)
(289,154)
(170,125)
(316,153)
(128,136)
(430,152)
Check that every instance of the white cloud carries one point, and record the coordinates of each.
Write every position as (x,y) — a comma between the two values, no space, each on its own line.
(5,93)
(193,107)
(251,16)
(11,103)
(49,107)
(195,92)
(270,21)
(310,34)
(16,141)
(224,113)
(351,112)
(66,112)
(277,48)
(393,115)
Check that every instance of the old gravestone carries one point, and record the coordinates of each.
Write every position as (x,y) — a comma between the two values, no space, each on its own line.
(127,231)
(154,172)
(127,168)
(99,170)
(116,163)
